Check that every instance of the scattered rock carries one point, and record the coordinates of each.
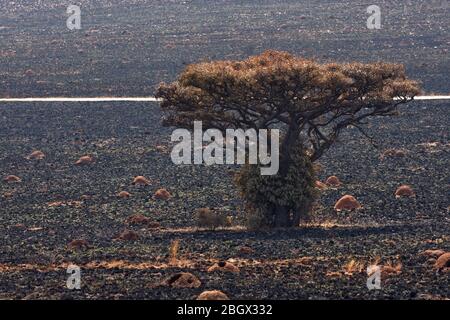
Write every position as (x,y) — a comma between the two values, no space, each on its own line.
(436,253)
(84,160)
(443,262)
(223,266)
(138,219)
(333,181)
(182,280)
(153,225)
(141,180)
(213,295)
(8,195)
(12,179)
(128,235)
(393,153)
(78,244)
(317,167)
(56,204)
(36,155)
(124,194)
(29,73)
(19,226)
(404,191)
(320,185)
(333,274)
(162,194)
(161,149)
(33,296)
(347,202)
(246,250)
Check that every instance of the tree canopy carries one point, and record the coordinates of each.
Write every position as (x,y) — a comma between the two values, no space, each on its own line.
(312,101)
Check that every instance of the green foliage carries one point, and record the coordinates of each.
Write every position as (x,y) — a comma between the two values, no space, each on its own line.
(266,195)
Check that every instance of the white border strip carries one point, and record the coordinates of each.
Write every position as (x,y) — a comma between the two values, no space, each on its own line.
(82,99)
(138,99)
(432,98)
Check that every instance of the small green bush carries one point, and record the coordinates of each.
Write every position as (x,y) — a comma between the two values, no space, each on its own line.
(281,200)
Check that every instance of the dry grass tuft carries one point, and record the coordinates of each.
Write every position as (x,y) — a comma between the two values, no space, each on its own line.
(352,267)
(173,252)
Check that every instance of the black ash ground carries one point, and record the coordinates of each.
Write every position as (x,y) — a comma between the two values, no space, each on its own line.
(45,211)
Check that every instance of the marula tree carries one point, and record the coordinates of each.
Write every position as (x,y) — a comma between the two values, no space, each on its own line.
(310,102)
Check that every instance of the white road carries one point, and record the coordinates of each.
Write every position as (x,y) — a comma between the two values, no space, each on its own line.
(137,99)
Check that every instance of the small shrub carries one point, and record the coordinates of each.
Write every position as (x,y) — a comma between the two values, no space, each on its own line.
(207,218)
(128,235)
(281,200)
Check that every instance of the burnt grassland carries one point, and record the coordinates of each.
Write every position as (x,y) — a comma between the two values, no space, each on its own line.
(57,202)
(125,48)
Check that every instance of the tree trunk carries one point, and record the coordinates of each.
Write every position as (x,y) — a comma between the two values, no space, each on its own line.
(281,217)
(282,213)
(301,212)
